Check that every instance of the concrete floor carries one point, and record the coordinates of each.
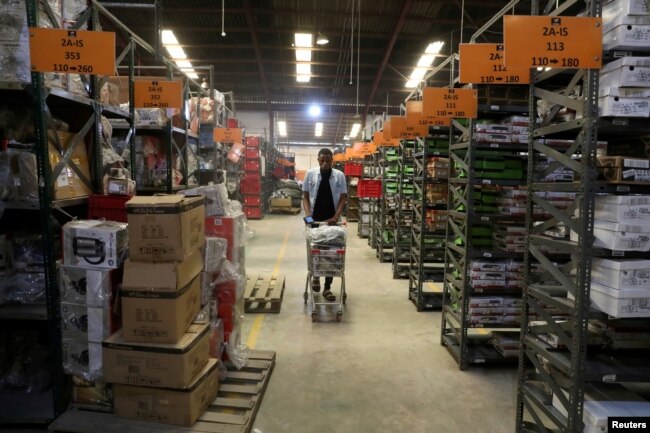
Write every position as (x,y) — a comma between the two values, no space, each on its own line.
(381,369)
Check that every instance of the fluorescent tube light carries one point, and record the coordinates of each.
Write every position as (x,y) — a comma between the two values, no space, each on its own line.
(304,40)
(282,128)
(418,74)
(303,78)
(434,47)
(303,68)
(303,55)
(319,129)
(168,38)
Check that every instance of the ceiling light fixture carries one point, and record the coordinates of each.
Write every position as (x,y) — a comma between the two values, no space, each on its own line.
(355,130)
(282,128)
(303,55)
(314,110)
(303,69)
(303,78)
(321,39)
(177,54)
(318,132)
(304,40)
(424,63)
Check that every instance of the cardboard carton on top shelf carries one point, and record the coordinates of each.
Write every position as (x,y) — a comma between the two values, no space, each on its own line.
(168,227)
(163,316)
(172,365)
(621,274)
(166,405)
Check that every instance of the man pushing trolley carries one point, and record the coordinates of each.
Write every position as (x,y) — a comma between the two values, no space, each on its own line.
(324,198)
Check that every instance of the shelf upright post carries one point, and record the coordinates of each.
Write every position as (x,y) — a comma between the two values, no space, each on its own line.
(568,385)
(45,191)
(94,94)
(131,143)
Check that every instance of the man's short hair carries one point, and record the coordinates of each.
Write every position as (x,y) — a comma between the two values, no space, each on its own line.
(325,152)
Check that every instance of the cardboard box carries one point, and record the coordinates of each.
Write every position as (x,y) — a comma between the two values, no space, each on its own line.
(625,303)
(626,72)
(620,237)
(159,316)
(95,244)
(169,227)
(82,358)
(628,7)
(621,274)
(92,287)
(634,209)
(157,365)
(81,322)
(169,406)
(68,184)
(619,169)
(161,277)
(624,101)
(281,202)
(625,32)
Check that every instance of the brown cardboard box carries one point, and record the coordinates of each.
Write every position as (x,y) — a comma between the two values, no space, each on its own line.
(163,316)
(281,202)
(166,405)
(68,184)
(162,276)
(157,365)
(168,227)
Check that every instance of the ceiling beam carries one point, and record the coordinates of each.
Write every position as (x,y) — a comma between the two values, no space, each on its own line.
(258,54)
(469,18)
(280,48)
(406,7)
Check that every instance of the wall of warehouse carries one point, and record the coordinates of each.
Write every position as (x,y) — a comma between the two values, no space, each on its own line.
(255,122)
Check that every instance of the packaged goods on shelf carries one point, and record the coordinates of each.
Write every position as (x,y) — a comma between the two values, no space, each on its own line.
(151,116)
(623,30)
(68,183)
(622,303)
(506,343)
(438,168)
(165,227)
(216,197)
(92,287)
(173,365)
(166,405)
(486,301)
(82,358)
(81,322)
(621,274)
(95,244)
(626,72)
(493,128)
(624,101)
(634,209)
(483,137)
(28,287)
(151,162)
(620,237)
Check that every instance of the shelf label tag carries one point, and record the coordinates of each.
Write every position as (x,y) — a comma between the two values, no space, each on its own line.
(485,64)
(227,135)
(553,42)
(446,102)
(72,51)
(158,94)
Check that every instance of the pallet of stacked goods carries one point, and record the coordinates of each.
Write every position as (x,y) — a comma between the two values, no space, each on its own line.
(353,171)
(404,209)
(591,362)
(254,172)
(387,206)
(427,258)
(363,228)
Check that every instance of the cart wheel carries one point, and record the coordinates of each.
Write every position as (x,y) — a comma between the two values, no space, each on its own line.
(305,296)
(313,317)
(339,314)
(344,298)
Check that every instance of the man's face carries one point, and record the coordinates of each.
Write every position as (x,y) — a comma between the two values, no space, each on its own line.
(325,162)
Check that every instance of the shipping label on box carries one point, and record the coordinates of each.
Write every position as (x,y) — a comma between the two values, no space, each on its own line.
(158,365)
(159,317)
(169,406)
(165,227)
(95,244)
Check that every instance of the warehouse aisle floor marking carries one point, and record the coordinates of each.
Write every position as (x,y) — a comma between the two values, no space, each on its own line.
(257,324)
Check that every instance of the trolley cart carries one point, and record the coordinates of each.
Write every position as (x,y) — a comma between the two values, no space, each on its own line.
(325,259)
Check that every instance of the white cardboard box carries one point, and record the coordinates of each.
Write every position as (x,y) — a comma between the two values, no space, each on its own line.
(81,322)
(624,102)
(82,358)
(85,286)
(625,303)
(628,7)
(94,244)
(621,274)
(634,209)
(626,72)
(620,237)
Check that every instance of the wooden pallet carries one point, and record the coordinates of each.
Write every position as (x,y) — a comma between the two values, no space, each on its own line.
(233,411)
(263,293)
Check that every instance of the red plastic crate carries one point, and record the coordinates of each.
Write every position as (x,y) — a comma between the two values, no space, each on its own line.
(109,207)
(233,123)
(369,188)
(250,184)
(252,200)
(253,212)
(252,141)
(252,152)
(353,169)
(252,165)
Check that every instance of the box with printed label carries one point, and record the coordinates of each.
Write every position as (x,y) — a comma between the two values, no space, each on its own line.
(169,227)
(621,273)
(625,303)
(172,365)
(486,301)
(618,169)
(626,72)
(92,287)
(625,32)
(160,316)
(68,183)
(627,7)
(485,266)
(624,101)
(95,244)
(168,277)
(634,209)
(86,323)
(82,358)
(168,405)
(620,237)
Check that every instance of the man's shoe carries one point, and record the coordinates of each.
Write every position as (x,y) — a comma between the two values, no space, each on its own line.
(315,285)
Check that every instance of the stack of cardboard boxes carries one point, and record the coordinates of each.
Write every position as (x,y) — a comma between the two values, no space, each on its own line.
(159,362)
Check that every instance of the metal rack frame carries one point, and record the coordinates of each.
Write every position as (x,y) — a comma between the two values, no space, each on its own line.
(401,249)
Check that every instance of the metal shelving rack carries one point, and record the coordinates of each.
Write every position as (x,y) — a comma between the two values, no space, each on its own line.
(374,234)
(404,210)
(364,227)
(385,222)
(427,254)
(551,396)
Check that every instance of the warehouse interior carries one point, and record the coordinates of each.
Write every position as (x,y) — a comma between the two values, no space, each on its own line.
(160,174)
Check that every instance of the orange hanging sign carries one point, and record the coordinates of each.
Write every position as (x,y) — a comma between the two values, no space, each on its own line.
(380,140)
(553,42)
(72,51)
(446,102)
(398,127)
(485,64)
(227,135)
(158,94)
(387,130)
(413,107)
(416,125)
